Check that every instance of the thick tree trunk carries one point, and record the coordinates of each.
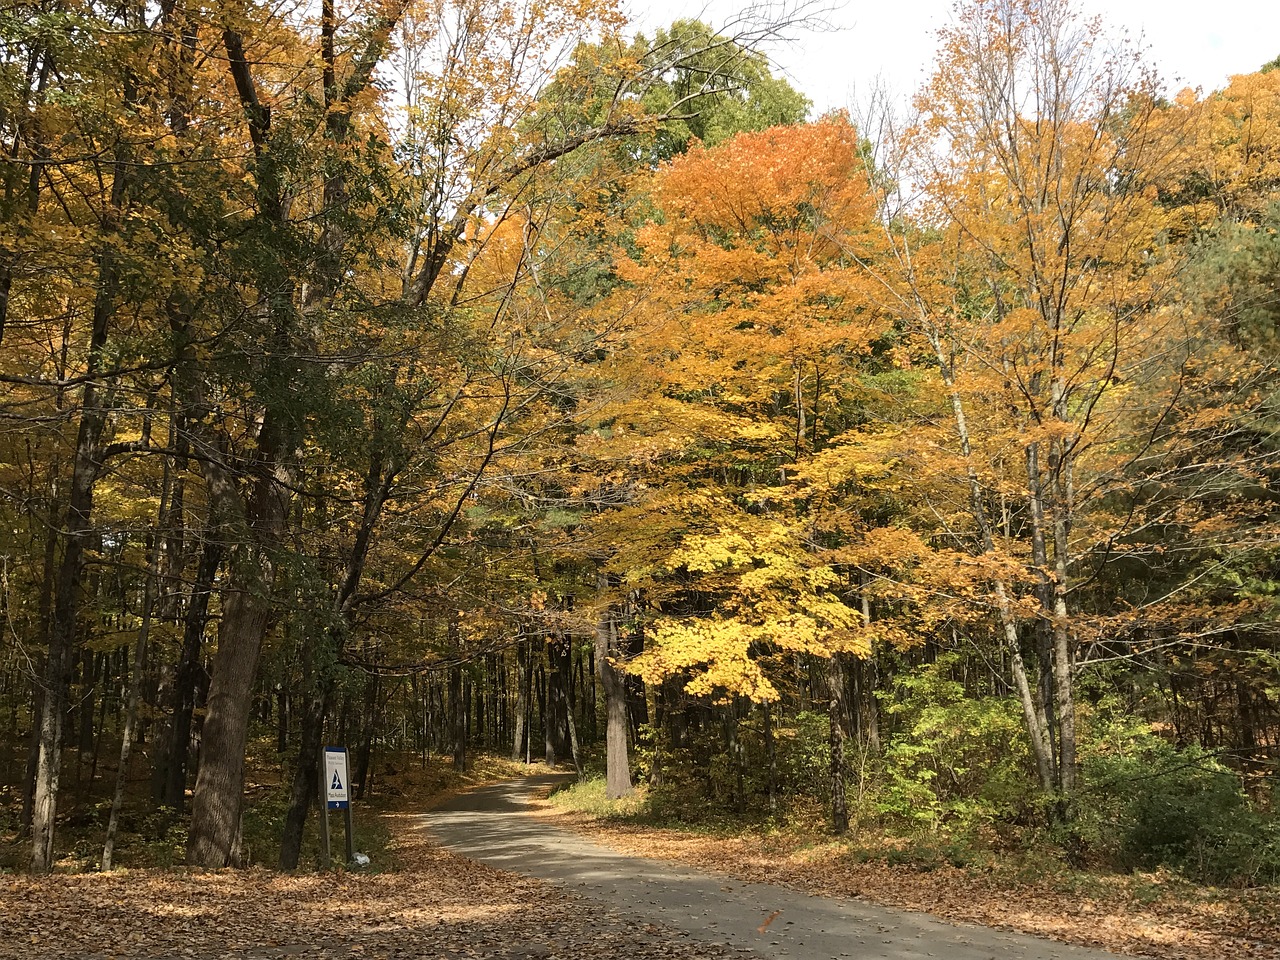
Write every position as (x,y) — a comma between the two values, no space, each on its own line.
(617,763)
(214,840)
(48,767)
(255,520)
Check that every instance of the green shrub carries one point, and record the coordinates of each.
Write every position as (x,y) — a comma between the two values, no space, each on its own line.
(1148,804)
(700,783)
(681,790)
(954,759)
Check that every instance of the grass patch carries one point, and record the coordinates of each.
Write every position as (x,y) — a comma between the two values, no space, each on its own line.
(588,797)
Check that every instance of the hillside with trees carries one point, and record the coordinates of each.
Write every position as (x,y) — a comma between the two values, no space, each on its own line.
(482,376)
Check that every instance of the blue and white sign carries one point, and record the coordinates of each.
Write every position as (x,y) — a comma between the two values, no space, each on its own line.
(336,789)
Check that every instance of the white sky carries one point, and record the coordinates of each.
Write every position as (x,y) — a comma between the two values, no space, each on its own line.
(1191,42)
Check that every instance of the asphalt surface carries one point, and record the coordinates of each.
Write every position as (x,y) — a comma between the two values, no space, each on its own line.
(492,825)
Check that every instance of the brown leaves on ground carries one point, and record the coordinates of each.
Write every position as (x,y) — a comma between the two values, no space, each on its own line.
(439,906)
(1150,916)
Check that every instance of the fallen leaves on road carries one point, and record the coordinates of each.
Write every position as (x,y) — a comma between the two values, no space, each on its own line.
(1156,917)
(439,906)
(768,920)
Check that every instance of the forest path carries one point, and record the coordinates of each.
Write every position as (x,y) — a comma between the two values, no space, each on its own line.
(493,825)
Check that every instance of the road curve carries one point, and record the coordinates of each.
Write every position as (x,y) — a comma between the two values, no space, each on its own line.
(492,825)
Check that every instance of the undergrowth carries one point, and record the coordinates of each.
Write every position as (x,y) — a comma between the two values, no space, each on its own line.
(155,837)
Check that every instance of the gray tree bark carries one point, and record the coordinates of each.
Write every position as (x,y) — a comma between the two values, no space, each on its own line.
(617,762)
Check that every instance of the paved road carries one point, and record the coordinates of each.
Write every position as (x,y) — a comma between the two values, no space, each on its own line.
(491,825)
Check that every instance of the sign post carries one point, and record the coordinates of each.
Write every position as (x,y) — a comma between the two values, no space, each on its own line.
(336,791)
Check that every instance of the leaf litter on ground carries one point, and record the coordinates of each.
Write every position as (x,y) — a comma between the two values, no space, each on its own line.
(437,905)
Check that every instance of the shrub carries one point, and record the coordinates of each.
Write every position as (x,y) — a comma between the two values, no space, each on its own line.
(954,759)
(1148,804)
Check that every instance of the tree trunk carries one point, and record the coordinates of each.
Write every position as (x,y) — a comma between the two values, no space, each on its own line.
(736,755)
(573,746)
(214,840)
(522,704)
(33,758)
(459,725)
(637,702)
(63,634)
(283,708)
(171,769)
(317,680)
(770,755)
(47,584)
(866,706)
(557,699)
(837,712)
(546,701)
(86,700)
(866,709)
(131,708)
(364,755)
(617,763)
(1032,710)
(1064,646)
(85,469)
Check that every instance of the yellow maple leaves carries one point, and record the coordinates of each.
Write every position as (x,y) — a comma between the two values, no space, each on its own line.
(749,324)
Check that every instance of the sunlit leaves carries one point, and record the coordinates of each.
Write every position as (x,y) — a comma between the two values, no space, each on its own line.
(748,327)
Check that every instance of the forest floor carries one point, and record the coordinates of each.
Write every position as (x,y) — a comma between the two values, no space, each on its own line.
(435,905)
(415,901)
(1155,915)
(421,901)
